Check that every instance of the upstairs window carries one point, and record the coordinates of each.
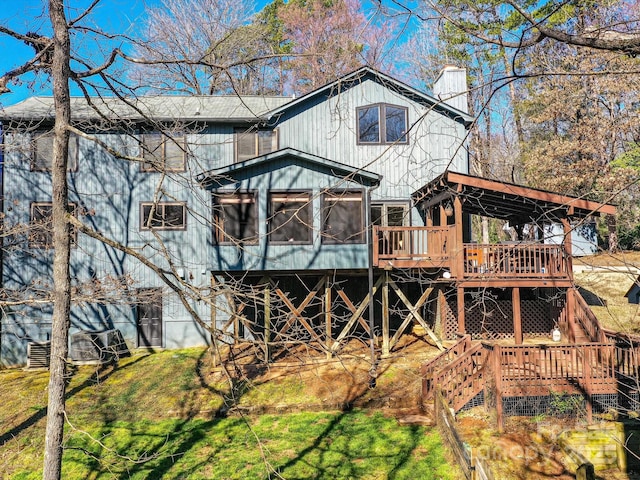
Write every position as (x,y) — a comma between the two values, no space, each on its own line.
(163,216)
(235,218)
(251,144)
(382,124)
(42,151)
(291,217)
(163,153)
(41,228)
(342,217)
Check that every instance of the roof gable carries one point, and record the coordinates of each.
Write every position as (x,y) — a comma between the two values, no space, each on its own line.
(366,73)
(226,175)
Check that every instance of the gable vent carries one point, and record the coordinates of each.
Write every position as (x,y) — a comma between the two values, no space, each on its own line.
(38,354)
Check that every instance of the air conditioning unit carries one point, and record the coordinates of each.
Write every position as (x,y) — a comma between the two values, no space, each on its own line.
(38,354)
(97,346)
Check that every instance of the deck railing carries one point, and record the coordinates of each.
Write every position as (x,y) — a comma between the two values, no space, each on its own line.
(515,260)
(433,366)
(586,319)
(419,244)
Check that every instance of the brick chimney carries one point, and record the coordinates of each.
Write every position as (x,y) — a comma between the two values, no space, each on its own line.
(451,87)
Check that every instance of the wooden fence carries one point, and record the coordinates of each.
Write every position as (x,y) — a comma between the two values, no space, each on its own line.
(473,468)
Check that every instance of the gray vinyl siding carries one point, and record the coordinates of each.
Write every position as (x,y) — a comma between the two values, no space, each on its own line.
(328,129)
(283,175)
(108,193)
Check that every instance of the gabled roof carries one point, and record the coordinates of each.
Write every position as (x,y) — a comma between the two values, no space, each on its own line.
(225,175)
(368,73)
(508,201)
(218,108)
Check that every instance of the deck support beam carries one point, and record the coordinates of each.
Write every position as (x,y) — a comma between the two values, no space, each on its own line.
(460,308)
(385,315)
(327,316)
(517,315)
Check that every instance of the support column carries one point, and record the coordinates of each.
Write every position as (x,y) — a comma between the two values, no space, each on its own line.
(571,315)
(517,317)
(568,246)
(458,251)
(385,314)
(327,315)
(461,325)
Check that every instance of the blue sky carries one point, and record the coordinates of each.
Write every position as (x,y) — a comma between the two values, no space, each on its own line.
(113,16)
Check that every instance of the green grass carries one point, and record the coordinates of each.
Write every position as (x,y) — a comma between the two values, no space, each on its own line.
(153,417)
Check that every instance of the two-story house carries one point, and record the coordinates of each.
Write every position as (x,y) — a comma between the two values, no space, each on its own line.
(342,214)
(257,208)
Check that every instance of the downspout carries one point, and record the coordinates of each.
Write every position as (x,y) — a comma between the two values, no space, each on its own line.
(373,373)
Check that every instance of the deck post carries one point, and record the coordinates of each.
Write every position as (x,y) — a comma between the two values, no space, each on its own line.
(458,248)
(571,315)
(517,315)
(327,316)
(497,371)
(385,315)
(214,323)
(460,302)
(568,246)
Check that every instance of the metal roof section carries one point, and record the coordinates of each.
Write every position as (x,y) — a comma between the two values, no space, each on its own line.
(368,73)
(222,108)
(225,175)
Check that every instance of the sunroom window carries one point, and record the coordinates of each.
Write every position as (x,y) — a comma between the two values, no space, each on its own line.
(342,217)
(290,219)
(235,217)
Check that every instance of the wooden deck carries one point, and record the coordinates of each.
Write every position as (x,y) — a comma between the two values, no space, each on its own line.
(436,248)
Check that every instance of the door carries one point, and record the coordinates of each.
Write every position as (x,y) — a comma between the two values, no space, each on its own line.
(149,313)
(392,215)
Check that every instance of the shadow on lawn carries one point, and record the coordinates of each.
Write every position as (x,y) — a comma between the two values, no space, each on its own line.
(171,447)
(102,373)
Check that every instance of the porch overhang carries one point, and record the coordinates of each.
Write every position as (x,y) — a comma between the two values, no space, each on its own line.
(507,201)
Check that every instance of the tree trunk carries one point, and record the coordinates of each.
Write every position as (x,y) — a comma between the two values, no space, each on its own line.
(60,73)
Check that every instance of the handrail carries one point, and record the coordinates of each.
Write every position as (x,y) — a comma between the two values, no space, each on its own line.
(521,260)
(429,369)
(587,319)
(434,243)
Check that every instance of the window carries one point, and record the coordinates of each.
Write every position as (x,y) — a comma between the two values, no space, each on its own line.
(342,217)
(251,144)
(381,123)
(166,216)
(162,153)
(390,214)
(235,217)
(290,219)
(41,229)
(42,152)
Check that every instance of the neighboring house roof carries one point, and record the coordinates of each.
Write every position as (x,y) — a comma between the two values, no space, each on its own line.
(508,201)
(368,73)
(223,176)
(220,108)
(635,287)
